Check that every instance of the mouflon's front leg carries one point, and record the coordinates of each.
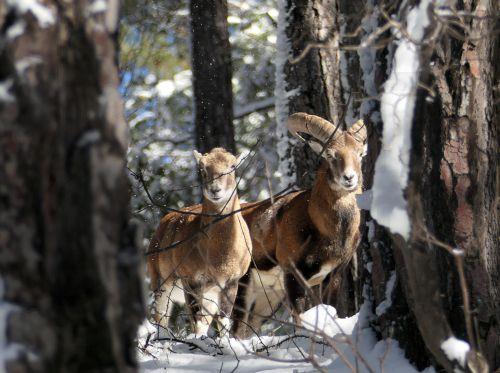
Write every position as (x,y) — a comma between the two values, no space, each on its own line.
(227,298)
(296,295)
(201,318)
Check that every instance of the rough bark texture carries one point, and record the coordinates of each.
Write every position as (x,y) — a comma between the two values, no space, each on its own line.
(348,297)
(446,200)
(316,75)
(364,70)
(481,55)
(69,260)
(212,71)
(452,190)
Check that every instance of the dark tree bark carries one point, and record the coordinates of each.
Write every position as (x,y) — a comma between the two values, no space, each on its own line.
(378,260)
(212,72)
(68,259)
(452,191)
(452,188)
(314,75)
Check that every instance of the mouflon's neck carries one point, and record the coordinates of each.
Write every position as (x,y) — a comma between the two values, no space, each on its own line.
(328,204)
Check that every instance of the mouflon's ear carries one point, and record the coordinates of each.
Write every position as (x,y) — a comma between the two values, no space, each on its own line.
(358,131)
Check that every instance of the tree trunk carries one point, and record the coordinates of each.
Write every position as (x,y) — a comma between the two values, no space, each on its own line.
(212,71)
(308,80)
(452,190)
(379,268)
(71,287)
(451,193)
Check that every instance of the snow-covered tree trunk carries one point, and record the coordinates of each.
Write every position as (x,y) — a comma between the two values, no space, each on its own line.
(448,155)
(307,79)
(70,287)
(439,134)
(212,71)
(452,187)
(311,77)
(380,262)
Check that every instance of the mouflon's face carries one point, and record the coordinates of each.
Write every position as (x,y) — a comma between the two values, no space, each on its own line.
(343,157)
(344,165)
(217,169)
(342,150)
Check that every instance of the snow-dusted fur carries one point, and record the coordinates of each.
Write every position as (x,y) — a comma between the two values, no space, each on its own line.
(209,264)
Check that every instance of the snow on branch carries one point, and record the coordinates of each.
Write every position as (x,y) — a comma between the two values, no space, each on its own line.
(397,107)
(456,350)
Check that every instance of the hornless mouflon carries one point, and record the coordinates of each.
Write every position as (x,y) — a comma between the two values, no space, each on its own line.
(208,264)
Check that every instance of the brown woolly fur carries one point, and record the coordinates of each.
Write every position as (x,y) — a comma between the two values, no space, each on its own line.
(210,264)
(312,232)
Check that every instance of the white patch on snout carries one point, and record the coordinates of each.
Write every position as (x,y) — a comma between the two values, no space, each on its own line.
(320,276)
(351,173)
(221,198)
(351,184)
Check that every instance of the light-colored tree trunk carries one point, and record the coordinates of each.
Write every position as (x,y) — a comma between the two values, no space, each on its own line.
(69,263)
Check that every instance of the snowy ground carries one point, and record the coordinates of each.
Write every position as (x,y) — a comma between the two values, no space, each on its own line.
(338,345)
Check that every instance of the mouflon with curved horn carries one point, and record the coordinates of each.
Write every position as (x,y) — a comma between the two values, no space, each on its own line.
(309,232)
